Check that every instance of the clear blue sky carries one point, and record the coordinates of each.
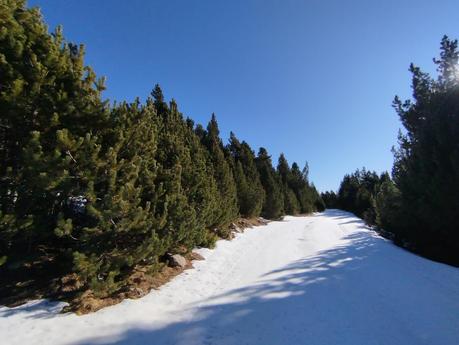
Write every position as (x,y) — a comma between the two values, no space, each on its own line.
(312,79)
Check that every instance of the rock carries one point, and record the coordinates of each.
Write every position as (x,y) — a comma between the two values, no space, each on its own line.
(196,256)
(262,221)
(233,227)
(177,261)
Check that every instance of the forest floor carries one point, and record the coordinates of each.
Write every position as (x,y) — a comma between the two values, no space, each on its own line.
(316,280)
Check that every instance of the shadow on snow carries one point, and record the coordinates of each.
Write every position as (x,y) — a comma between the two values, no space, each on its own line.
(325,299)
(365,291)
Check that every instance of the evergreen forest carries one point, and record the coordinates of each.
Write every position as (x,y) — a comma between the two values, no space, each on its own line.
(96,190)
(418,206)
(93,190)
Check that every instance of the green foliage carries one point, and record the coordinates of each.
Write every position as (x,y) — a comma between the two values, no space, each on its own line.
(97,189)
(227,208)
(250,191)
(330,199)
(419,207)
(273,206)
(357,193)
(209,240)
(50,105)
(319,203)
(120,227)
(190,189)
(426,168)
(299,195)
(387,202)
(291,203)
(305,193)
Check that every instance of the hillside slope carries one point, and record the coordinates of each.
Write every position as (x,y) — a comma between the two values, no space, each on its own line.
(323,279)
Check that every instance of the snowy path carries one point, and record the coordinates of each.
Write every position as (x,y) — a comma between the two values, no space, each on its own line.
(316,280)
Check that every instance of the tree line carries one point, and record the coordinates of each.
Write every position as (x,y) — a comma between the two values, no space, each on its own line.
(419,205)
(97,188)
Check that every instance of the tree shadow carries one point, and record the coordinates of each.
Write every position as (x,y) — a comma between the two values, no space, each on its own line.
(338,214)
(357,221)
(346,295)
(38,309)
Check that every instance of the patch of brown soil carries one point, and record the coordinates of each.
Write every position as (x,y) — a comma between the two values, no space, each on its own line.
(139,283)
(194,256)
(244,223)
(302,214)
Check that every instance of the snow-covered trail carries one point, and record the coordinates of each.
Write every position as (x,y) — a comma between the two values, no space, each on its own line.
(323,279)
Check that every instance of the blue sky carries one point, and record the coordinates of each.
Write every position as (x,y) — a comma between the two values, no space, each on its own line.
(312,79)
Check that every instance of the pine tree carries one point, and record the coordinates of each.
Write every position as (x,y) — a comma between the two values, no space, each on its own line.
(273,206)
(300,185)
(98,190)
(387,206)
(426,168)
(359,191)
(227,209)
(51,114)
(250,191)
(184,158)
(319,203)
(291,204)
(118,228)
(330,199)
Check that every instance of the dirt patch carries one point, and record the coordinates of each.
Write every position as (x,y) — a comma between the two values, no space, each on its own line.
(244,223)
(139,284)
(306,214)
(194,256)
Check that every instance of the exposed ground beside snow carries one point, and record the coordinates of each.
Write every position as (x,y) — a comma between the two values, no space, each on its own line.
(324,279)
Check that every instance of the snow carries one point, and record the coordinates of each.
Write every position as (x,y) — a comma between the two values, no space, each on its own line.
(323,279)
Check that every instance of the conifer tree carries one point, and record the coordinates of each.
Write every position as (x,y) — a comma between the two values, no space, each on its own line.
(227,209)
(291,204)
(427,161)
(273,206)
(300,185)
(184,159)
(387,206)
(250,191)
(330,199)
(118,228)
(319,203)
(51,114)
(358,192)
(180,222)
(97,190)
